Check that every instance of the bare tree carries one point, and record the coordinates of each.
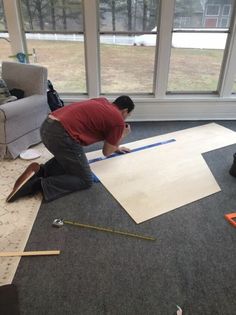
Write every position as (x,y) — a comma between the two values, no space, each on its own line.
(27,4)
(64,21)
(39,9)
(135,13)
(53,17)
(113,12)
(35,13)
(145,7)
(129,10)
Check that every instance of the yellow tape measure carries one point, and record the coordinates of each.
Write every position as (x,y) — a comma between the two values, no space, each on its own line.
(60,222)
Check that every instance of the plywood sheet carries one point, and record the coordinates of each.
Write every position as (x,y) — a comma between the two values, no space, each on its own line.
(150,182)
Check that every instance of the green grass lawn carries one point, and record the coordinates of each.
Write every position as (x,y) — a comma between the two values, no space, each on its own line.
(126,69)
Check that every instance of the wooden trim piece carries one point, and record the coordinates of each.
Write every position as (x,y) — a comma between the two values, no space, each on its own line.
(31,253)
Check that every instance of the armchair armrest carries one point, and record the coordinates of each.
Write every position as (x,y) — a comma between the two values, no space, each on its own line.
(23,107)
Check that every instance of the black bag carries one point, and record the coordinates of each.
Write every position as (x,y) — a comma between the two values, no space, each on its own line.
(18,93)
(54,101)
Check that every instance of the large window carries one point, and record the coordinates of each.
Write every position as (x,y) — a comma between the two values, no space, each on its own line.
(198,48)
(128,35)
(148,49)
(55,39)
(5,48)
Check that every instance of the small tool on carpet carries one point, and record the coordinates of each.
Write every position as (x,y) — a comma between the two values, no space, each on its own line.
(61,222)
(231,218)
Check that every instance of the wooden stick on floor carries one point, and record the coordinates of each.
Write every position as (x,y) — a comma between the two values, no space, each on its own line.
(31,253)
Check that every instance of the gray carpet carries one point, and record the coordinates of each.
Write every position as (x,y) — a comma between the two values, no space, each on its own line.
(192,262)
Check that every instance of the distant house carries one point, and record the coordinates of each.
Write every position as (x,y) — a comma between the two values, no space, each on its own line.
(204,13)
(217,13)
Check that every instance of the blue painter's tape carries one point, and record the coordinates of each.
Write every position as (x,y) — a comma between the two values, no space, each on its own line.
(133,150)
(95,179)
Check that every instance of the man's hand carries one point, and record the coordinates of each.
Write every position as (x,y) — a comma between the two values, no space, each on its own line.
(122,150)
(126,131)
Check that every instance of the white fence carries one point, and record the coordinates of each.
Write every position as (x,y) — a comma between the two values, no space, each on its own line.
(179,40)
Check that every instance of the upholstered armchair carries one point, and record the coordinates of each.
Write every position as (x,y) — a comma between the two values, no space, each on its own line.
(20,120)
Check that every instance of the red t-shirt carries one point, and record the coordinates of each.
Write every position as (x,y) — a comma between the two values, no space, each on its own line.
(91,121)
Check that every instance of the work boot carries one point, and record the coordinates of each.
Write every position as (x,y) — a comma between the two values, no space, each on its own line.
(232,170)
(19,189)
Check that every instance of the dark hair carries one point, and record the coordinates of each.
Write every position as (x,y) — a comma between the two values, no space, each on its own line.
(124,102)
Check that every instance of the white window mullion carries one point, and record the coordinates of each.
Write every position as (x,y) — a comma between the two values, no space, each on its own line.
(228,73)
(91,16)
(164,47)
(14,25)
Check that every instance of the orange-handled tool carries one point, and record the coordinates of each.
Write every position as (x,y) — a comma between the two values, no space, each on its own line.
(231,217)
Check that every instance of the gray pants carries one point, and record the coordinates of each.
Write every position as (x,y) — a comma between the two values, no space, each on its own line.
(68,170)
